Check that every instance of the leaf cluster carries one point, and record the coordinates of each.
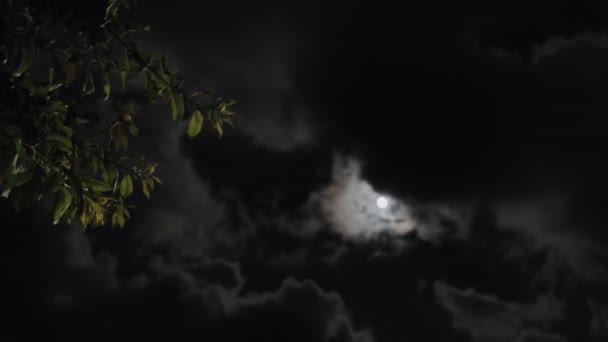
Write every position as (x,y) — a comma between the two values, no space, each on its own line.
(50,146)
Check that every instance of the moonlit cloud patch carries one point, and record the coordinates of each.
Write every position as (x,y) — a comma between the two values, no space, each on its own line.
(354,208)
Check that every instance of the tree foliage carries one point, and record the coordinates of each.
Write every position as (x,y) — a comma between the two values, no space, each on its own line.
(52,66)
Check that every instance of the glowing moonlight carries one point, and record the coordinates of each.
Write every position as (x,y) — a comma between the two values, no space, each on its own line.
(355,209)
(382,202)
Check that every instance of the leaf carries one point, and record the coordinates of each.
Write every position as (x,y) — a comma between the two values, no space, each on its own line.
(97,185)
(118,218)
(24,63)
(177,107)
(106,87)
(50,185)
(196,123)
(216,124)
(121,142)
(123,79)
(151,168)
(109,174)
(24,195)
(163,68)
(146,189)
(180,107)
(96,211)
(56,107)
(4,58)
(51,76)
(70,213)
(11,130)
(87,117)
(89,85)
(84,217)
(20,178)
(133,129)
(126,186)
(149,86)
(70,72)
(67,131)
(64,199)
(112,9)
(61,142)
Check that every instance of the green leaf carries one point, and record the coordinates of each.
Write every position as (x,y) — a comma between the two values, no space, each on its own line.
(151,168)
(64,199)
(196,123)
(123,79)
(146,188)
(177,107)
(118,218)
(21,177)
(24,195)
(109,174)
(106,87)
(133,129)
(96,213)
(89,84)
(112,9)
(121,142)
(24,63)
(84,217)
(56,107)
(96,184)
(67,131)
(216,124)
(126,186)
(70,72)
(61,142)
(50,185)
(87,117)
(4,55)
(51,76)
(11,130)
(70,213)
(7,175)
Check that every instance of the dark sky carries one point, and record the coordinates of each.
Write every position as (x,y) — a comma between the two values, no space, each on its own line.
(486,120)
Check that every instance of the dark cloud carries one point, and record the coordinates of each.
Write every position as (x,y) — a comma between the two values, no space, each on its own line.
(440,113)
(109,285)
(298,311)
(489,319)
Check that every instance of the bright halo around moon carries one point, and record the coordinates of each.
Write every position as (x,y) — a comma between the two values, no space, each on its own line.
(354,208)
(382,202)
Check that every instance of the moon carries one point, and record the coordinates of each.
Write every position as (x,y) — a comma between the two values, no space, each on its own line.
(382,202)
(355,209)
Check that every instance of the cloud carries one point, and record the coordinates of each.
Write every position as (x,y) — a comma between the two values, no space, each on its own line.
(548,222)
(599,322)
(298,311)
(559,47)
(110,285)
(490,319)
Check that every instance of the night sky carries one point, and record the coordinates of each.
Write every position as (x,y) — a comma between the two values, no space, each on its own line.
(482,125)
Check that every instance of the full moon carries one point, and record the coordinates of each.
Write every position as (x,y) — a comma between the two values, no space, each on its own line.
(382,202)
(355,209)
